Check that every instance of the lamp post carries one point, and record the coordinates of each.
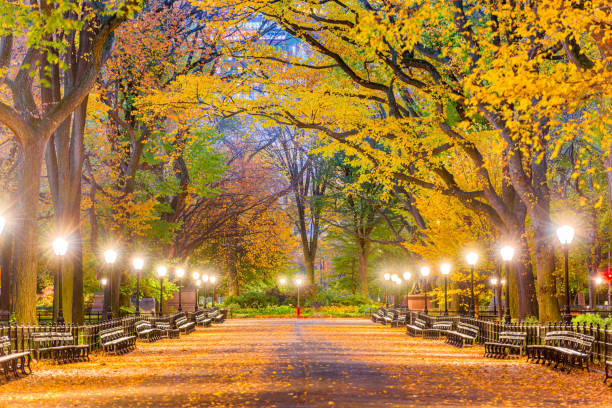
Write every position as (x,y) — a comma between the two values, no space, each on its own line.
(180,272)
(494,283)
(298,283)
(138,265)
(205,282)
(425,273)
(60,247)
(161,272)
(398,281)
(598,282)
(407,275)
(445,269)
(394,279)
(507,253)
(565,234)
(471,259)
(5,312)
(110,256)
(198,284)
(213,280)
(387,276)
(196,278)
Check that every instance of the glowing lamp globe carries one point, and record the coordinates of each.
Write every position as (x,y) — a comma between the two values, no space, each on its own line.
(445,269)
(180,272)
(110,256)
(103,281)
(196,276)
(407,276)
(212,279)
(471,258)
(282,281)
(298,281)
(161,271)
(425,271)
(387,276)
(494,281)
(138,263)
(565,234)
(60,246)
(507,253)
(204,278)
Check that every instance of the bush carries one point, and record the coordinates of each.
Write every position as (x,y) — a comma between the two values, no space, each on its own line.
(594,319)
(255,300)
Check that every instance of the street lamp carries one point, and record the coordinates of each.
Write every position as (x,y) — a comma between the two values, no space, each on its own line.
(565,234)
(60,247)
(161,272)
(298,283)
(196,277)
(138,264)
(398,281)
(213,280)
(180,272)
(445,269)
(387,276)
(425,273)
(4,313)
(471,259)
(494,282)
(204,282)
(407,275)
(507,253)
(110,256)
(598,281)
(282,281)
(198,284)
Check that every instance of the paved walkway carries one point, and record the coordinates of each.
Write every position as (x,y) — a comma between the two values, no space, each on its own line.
(305,363)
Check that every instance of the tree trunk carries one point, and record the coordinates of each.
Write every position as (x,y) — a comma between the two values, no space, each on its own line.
(545,266)
(310,269)
(5,277)
(363,249)
(27,242)
(527,300)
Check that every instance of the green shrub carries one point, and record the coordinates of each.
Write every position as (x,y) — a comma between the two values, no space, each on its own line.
(591,318)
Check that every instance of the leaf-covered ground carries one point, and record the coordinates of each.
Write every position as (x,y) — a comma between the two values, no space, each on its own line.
(305,363)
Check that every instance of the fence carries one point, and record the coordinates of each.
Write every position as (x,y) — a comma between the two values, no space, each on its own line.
(490,328)
(21,336)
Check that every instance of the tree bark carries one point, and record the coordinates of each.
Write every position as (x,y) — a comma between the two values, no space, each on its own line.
(27,242)
(363,249)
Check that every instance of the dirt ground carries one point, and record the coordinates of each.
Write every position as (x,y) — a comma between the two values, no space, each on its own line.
(302,363)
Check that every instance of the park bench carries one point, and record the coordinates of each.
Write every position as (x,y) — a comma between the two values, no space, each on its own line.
(216,316)
(462,335)
(508,343)
(379,315)
(115,341)
(565,348)
(608,371)
(166,330)
(400,320)
(145,330)
(437,329)
(59,347)
(416,328)
(11,362)
(201,318)
(184,325)
(390,317)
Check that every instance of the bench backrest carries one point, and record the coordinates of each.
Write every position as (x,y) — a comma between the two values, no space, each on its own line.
(515,338)
(111,334)
(443,325)
(420,323)
(5,346)
(143,325)
(51,339)
(569,339)
(468,329)
(180,321)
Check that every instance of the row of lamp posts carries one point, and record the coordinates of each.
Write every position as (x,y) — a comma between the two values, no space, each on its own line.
(565,234)
(60,248)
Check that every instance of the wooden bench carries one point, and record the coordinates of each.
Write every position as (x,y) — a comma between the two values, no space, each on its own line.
(400,320)
(565,348)
(437,330)
(11,362)
(216,316)
(416,328)
(508,343)
(115,341)
(608,371)
(379,315)
(184,325)
(462,335)
(390,317)
(60,347)
(201,318)
(145,330)
(166,330)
